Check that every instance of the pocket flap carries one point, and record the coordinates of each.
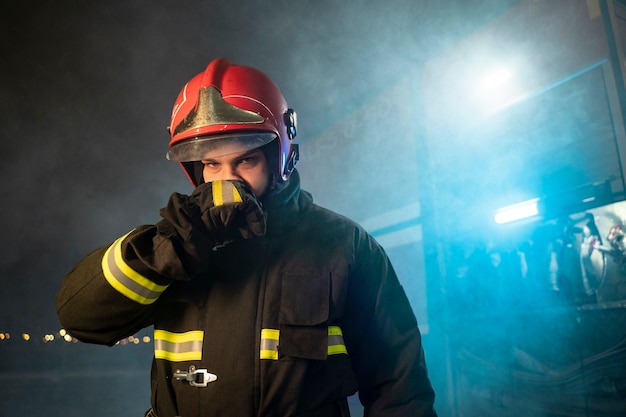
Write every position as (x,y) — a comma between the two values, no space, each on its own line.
(307,342)
(304,300)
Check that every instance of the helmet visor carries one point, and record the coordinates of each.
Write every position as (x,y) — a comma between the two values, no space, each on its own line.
(205,147)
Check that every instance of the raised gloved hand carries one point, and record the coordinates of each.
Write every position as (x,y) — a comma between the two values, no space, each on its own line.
(215,214)
(229,210)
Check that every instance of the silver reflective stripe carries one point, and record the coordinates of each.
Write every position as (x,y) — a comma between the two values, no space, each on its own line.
(178,347)
(336,345)
(126,280)
(224,192)
(269,344)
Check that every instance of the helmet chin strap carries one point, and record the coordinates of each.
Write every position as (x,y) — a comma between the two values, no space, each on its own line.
(292,161)
(275,182)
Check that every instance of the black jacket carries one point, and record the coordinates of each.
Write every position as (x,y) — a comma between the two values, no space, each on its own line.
(290,323)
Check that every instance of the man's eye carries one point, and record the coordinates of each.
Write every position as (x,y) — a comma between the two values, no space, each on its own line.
(248,160)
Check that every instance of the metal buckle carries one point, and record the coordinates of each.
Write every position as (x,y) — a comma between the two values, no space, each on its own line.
(196,377)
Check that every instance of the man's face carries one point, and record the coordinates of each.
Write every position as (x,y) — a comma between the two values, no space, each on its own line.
(249,167)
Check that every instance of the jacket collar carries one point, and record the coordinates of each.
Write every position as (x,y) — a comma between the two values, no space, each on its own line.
(284,203)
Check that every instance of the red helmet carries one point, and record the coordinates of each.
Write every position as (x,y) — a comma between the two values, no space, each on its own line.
(231,108)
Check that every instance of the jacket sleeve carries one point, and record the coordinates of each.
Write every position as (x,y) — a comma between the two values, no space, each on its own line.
(112,292)
(385,345)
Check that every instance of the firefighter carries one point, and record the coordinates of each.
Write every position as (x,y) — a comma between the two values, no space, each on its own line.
(263,303)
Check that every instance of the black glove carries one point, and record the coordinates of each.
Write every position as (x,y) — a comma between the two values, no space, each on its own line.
(229,210)
(215,214)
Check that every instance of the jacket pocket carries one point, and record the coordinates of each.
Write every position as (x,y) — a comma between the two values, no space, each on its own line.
(303,316)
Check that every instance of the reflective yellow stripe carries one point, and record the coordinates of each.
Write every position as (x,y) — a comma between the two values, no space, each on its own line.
(270,340)
(126,280)
(178,347)
(216,187)
(269,344)
(336,344)
(225,192)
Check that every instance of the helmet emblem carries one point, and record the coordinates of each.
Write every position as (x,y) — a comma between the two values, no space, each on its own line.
(213,110)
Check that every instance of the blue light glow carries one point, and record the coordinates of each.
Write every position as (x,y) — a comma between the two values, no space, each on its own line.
(518,211)
(496,78)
